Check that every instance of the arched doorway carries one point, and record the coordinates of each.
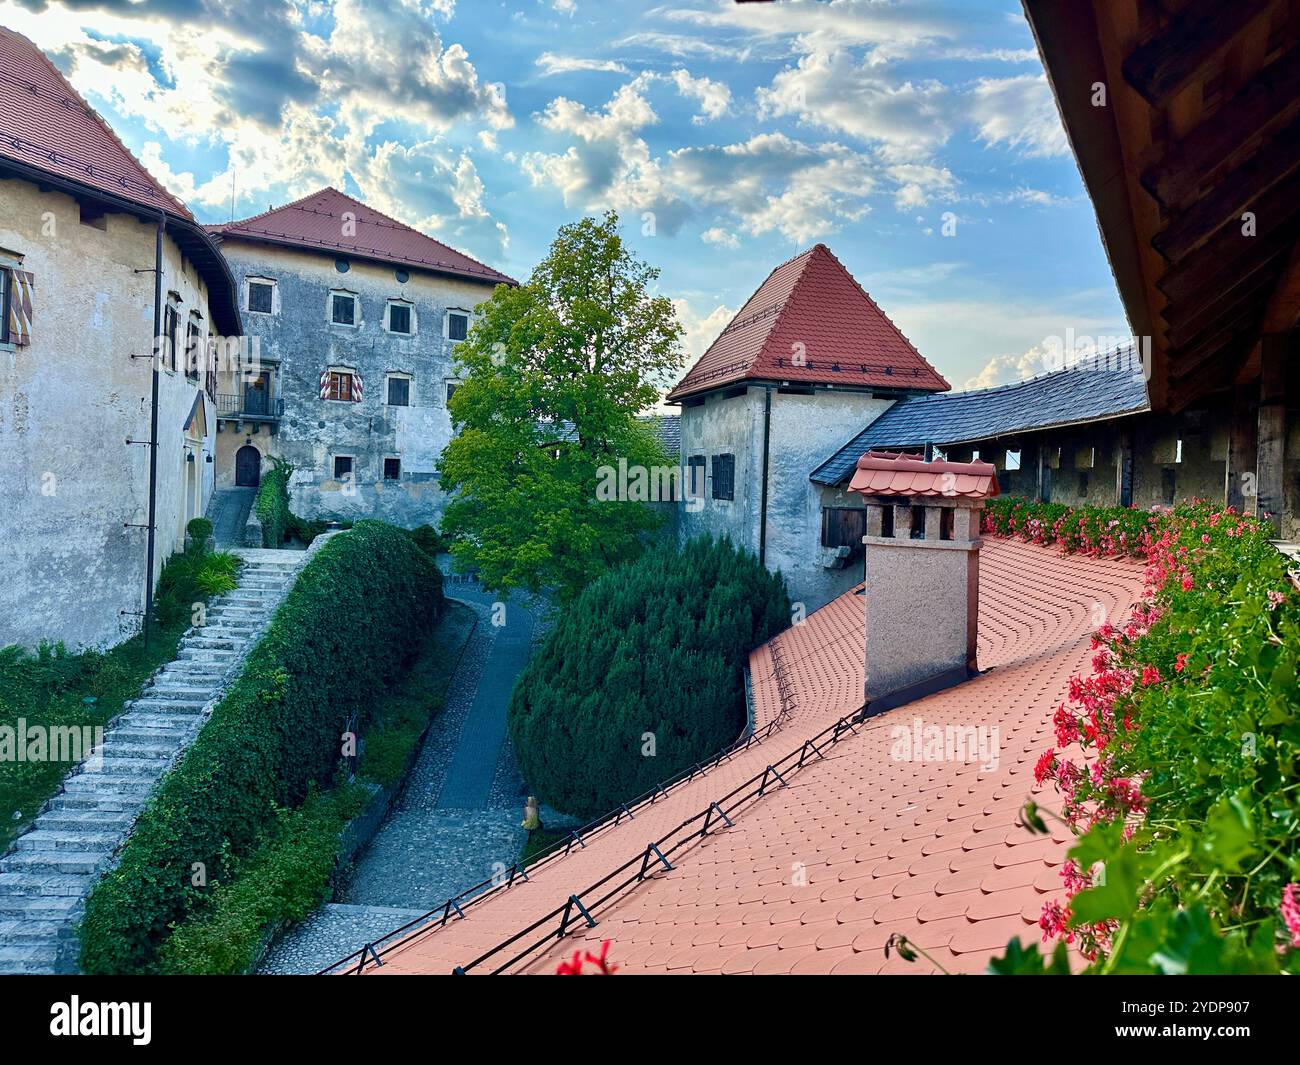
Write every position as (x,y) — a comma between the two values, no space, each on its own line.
(248,467)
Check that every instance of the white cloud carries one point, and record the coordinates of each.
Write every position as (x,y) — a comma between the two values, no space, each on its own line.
(553,64)
(1020,113)
(701,330)
(722,238)
(714,97)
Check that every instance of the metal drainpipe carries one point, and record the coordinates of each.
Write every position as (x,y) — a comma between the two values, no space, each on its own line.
(767,439)
(153,426)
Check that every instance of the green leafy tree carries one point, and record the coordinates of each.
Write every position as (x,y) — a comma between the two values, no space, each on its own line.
(556,371)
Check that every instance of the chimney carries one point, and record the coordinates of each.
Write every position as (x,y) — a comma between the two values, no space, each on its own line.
(922,572)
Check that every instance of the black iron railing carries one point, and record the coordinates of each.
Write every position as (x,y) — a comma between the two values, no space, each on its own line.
(249,405)
(656,854)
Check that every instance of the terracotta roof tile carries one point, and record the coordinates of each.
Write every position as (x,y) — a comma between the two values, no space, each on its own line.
(851,819)
(813,306)
(45,124)
(887,473)
(316,222)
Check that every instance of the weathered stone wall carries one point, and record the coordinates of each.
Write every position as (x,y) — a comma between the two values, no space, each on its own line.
(69,484)
(312,431)
(805,429)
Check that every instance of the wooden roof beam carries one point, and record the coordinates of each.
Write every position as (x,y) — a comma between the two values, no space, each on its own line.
(1267,100)
(1283,311)
(1232,195)
(1197,36)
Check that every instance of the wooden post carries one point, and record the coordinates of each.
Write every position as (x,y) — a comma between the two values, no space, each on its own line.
(1239,471)
(1123,466)
(1271,445)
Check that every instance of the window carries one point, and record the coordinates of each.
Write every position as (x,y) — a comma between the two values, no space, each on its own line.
(339,386)
(6,295)
(1178,450)
(342,467)
(844,527)
(193,347)
(171,327)
(1013,459)
(399,318)
(451,390)
(392,469)
(399,391)
(343,308)
(695,477)
(457,325)
(724,476)
(261,297)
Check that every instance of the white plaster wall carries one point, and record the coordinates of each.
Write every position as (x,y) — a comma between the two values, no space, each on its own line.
(805,431)
(69,484)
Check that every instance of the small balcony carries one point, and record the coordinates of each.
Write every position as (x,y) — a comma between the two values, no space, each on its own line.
(252,405)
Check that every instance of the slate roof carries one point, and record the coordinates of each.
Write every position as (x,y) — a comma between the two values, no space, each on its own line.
(1065,397)
(886,473)
(811,308)
(45,124)
(815,874)
(668,428)
(317,222)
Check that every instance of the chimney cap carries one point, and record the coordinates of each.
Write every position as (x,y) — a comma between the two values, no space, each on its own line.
(893,473)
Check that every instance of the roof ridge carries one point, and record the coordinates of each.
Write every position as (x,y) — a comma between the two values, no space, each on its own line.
(902,336)
(273,210)
(99,121)
(1080,366)
(790,296)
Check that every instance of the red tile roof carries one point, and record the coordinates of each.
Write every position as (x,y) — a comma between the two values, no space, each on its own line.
(887,473)
(814,876)
(811,306)
(47,126)
(317,222)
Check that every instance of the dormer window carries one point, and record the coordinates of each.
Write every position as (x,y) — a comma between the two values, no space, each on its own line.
(343,309)
(457,325)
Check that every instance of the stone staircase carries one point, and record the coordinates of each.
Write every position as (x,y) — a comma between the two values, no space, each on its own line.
(47,875)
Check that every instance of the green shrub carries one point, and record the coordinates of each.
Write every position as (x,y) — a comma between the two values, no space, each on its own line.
(427,539)
(192,577)
(656,646)
(342,636)
(217,573)
(272,504)
(199,529)
(284,880)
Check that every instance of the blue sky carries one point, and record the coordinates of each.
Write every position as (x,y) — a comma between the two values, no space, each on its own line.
(918,140)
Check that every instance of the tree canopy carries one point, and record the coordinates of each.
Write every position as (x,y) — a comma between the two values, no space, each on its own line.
(555,372)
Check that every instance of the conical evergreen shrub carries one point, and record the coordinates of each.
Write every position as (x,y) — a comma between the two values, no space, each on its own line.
(649,657)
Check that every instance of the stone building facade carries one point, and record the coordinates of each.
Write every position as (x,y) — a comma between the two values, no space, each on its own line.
(802,366)
(77,260)
(356,319)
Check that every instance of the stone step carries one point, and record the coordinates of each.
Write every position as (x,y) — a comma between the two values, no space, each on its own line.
(35,930)
(166,734)
(22,907)
(22,887)
(85,820)
(85,862)
(187,693)
(212,643)
(205,657)
(88,802)
(151,705)
(122,764)
(24,958)
(158,725)
(47,839)
(147,748)
(118,785)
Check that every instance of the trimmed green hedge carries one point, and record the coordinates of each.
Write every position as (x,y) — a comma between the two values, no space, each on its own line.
(272,505)
(343,635)
(656,646)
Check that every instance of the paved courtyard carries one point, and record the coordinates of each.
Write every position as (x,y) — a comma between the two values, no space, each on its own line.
(456,823)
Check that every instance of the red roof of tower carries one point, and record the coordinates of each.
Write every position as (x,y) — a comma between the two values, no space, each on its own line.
(317,222)
(47,126)
(811,307)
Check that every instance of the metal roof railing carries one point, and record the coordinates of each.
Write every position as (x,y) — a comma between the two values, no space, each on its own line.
(456,906)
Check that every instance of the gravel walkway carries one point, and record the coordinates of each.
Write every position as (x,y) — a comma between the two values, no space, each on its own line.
(457,822)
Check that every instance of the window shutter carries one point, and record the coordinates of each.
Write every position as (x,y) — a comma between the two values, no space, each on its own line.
(356,388)
(20,307)
(324,384)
